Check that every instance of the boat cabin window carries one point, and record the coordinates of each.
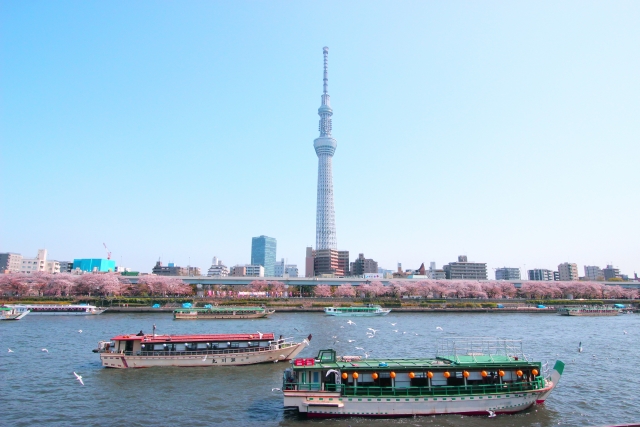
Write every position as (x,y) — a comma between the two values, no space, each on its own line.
(235,345)
(202,346)
(384,380)
(420,380)
(253,344)
(455,379)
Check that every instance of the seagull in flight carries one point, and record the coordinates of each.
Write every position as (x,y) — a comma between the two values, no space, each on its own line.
(45,350)
(275,389)
(260,334)
(79,378)
(491,414)
(359,348)
(580,347)
(79,331)
(438,328)
(373,330)
(10,351)
(205,357)
(332,371)
(351,340)
(395,330)
(351,322)
(393,324)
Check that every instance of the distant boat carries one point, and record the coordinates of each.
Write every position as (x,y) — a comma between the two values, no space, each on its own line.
(10,313)
(221,312)
(358,311)
(78,310)
(592,310)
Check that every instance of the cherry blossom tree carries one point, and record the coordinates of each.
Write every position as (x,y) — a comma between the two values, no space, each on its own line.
(345,291)
(322,291)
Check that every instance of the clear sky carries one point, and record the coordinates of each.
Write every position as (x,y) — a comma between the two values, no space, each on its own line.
(506,131)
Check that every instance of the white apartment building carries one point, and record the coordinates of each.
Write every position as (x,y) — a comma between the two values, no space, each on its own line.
(593,272)
(280,269)
(40,263)
(568,271)
(218,269)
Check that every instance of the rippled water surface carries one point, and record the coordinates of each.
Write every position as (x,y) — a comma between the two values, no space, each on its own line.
(599,385)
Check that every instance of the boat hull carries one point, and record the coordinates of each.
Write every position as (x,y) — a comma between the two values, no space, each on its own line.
(14,316)
(356,314)
(588,313)
(333,405)
(212,316)
(124,361)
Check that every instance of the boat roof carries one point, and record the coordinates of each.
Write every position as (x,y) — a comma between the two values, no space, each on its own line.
(150,338)
(349,363)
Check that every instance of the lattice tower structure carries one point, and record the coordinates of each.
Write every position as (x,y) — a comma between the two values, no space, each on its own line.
(325,147)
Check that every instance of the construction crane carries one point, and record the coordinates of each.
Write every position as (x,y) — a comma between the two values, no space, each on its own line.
(107,249)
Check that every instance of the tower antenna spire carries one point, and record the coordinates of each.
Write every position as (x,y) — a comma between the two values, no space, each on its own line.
(325,80)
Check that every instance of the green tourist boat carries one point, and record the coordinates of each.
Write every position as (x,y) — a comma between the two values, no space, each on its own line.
(222,312)
(473,376)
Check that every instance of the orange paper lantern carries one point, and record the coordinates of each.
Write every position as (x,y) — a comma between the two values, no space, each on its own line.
(392,374)
(535,372)
(412,375)
(355,375)
(345,375)
(430,374)
(465,374)
(501,373)
(484,374)
(374,376)
(446,374)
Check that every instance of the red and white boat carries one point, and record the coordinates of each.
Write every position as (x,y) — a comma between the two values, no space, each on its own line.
(148,350)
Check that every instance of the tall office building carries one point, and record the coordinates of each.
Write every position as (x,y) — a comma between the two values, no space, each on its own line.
(593,272)
(325,147)
(263,252)
(465,270)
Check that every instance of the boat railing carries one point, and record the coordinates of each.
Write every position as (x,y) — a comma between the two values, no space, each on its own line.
(454,347)
(476,389)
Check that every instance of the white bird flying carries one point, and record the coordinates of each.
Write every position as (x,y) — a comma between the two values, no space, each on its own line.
(395,330)
(351,340)
(332,371)
(79,378)
(351,322)
(580,347)
(625,332)
(373,330)
(260,334)
(79,331)
(10,351)
(275,389)
(491,414)
(205,357)
(45,350)
(366,355)
(359,348)
(438,328)
(393,324)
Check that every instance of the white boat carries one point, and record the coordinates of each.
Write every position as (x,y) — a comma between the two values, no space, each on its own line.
(483,378)
(358,311)
(78,309)
(10,313)
(149,350)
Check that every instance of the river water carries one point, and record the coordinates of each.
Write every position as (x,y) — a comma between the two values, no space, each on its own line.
(599,385)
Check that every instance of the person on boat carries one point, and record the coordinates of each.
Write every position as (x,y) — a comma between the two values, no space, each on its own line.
(140,334)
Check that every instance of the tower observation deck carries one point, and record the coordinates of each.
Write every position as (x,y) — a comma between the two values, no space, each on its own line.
(325,147)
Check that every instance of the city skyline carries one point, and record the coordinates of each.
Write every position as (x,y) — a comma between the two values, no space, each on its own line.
(505,133)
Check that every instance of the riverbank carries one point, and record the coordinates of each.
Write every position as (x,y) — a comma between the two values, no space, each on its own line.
(114,310)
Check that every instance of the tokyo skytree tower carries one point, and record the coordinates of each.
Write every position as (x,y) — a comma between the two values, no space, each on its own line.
(325,147)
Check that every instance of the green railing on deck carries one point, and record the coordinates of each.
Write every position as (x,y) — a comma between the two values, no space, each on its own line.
(477,389)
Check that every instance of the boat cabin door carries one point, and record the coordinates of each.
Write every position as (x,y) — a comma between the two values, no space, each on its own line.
(128,346)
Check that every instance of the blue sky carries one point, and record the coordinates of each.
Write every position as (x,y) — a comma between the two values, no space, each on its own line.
(506,131)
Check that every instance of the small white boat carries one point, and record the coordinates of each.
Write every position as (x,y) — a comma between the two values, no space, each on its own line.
(358,311)
(10,313)
(77,309)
